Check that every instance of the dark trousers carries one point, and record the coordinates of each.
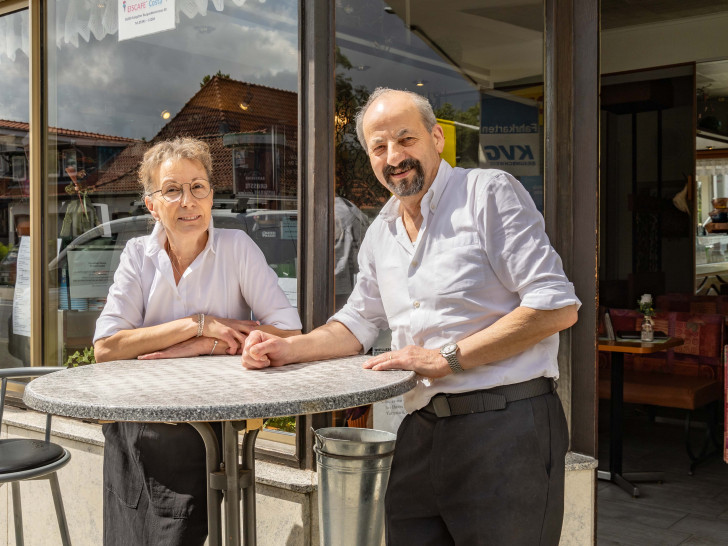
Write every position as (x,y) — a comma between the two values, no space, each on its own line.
(155,490)
(494,478)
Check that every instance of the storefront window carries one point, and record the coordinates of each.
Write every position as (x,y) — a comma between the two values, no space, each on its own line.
(119,82)
(481,68)
(14,192)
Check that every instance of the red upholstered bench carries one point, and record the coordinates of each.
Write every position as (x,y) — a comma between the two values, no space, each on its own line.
(688,377)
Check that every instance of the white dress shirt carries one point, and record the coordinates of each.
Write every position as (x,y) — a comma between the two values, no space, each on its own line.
(481,252)
(230,278)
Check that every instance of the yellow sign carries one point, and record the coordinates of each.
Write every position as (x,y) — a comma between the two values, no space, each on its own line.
(448,153)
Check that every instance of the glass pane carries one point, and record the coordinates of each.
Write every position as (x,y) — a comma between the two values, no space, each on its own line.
(15,192)
(119,82)
(481,68)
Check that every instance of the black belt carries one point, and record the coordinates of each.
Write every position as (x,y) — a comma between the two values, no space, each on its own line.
(445,405)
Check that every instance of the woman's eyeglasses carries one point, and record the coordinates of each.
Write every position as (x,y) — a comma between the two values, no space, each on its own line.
(172,191)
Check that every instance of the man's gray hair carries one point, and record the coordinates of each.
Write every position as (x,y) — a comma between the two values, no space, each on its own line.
(423,105)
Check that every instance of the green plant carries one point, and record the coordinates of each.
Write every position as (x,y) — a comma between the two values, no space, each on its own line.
(286,424)
(81,358)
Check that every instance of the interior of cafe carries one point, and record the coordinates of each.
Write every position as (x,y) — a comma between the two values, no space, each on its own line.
(663,232)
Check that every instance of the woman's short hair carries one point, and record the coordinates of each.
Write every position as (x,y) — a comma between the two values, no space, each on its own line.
(429,120)
(175,149)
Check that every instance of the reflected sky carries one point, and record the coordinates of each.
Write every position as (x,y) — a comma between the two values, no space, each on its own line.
(121,88)
(98,84)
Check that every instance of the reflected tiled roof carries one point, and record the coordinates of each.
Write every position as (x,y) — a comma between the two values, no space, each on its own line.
(213,111)
(24,127)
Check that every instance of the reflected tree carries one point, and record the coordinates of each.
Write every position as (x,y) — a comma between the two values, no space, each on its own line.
(355,180)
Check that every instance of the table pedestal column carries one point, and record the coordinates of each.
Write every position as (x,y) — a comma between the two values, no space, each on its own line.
(227,477)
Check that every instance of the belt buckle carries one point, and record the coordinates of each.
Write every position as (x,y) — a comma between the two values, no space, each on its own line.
(441,406)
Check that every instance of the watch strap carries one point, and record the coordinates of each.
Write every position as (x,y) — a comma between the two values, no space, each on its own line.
(452,360)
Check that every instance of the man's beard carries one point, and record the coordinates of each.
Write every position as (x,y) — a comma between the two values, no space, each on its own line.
(403,188)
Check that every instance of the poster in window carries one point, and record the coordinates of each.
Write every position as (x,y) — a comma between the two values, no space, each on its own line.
(143,17)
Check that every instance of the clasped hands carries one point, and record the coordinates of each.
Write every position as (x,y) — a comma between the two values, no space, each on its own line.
(230,335)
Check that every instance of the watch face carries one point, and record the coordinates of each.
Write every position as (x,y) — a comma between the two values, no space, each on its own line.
(449,348)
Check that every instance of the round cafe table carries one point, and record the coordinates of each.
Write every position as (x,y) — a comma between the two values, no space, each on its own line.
(203,390)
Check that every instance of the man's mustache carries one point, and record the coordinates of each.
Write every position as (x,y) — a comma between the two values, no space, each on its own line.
(404,165)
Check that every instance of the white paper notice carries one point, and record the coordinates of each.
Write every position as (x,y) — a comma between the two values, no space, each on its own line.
(21,298)
(388,415)
(91,272)
(289,285)
(143,17)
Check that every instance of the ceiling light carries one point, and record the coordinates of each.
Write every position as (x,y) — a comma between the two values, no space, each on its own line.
(165,114)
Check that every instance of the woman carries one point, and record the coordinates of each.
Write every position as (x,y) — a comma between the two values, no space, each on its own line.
(185,290)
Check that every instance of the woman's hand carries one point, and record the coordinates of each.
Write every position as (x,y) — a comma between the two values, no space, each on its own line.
(232,332)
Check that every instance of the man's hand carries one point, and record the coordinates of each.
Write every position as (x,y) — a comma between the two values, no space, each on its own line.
(230,331)
(262,349)
(426,362)
(195,346)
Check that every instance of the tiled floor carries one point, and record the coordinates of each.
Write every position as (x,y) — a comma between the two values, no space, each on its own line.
(686,510)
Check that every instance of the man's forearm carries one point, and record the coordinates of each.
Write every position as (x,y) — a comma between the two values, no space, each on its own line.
(517,331)
(327,341)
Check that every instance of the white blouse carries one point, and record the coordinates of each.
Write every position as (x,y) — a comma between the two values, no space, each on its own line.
(230,278)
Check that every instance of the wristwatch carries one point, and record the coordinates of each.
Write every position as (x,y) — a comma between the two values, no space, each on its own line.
(450,352)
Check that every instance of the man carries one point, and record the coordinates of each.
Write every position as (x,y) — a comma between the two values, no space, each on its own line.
(459,267)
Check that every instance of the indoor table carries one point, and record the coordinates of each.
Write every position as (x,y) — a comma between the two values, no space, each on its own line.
(203,390)
(618,350)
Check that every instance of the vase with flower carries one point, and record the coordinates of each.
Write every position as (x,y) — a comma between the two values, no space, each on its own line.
(647,332)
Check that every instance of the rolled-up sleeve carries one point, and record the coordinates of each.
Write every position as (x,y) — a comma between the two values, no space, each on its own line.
(518,247)
(364,313)
(124,309)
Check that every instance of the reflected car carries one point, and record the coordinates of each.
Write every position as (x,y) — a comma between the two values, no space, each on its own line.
(275,232)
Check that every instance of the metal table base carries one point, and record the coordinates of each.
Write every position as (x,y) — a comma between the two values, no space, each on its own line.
(616,437)
(228,476)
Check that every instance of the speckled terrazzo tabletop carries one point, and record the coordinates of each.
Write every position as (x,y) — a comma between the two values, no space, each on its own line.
(214,388)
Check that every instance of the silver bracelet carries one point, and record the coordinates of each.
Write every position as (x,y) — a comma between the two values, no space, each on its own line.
(200,323)
(214,345)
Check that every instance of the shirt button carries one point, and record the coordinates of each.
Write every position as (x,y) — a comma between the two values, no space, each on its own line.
(414,263)
(432,207)
(416,304)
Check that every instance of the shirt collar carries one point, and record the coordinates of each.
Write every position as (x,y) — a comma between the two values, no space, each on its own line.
(158,239)
(390,211)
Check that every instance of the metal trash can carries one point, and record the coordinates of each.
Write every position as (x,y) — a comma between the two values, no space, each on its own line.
(353,470)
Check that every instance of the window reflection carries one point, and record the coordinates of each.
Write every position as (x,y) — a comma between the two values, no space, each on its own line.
(225,72)
(14,192)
